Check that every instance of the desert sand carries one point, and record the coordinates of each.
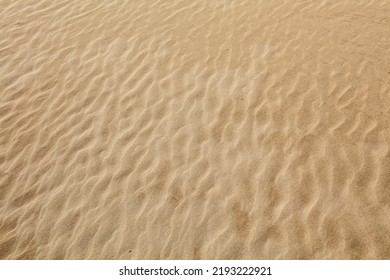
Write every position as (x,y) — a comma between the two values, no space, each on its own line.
(173,129)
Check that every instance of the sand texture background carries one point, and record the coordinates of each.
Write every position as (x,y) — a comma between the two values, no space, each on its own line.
(227,129)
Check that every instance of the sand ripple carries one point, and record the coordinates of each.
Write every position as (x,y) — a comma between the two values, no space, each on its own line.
(194,129)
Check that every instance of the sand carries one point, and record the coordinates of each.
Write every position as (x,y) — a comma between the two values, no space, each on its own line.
(228,129)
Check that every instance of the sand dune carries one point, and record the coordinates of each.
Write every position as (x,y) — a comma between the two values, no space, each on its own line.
(194,129)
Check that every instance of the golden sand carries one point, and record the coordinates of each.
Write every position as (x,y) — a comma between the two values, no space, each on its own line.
(227,129)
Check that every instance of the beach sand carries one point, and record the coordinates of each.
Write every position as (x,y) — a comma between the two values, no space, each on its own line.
(227,129)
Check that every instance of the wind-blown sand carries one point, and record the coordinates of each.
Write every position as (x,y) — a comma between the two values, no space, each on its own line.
(229,129)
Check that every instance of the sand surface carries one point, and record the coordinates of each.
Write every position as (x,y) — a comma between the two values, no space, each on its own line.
(227,129)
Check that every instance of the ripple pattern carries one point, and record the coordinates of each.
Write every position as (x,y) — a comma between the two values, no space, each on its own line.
(172,129)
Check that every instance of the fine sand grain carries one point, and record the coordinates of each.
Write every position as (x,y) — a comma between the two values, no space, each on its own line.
(174,129)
